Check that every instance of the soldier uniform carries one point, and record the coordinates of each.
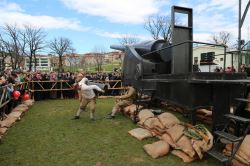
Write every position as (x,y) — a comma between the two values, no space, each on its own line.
(79,77)
(125,100)
(88,97)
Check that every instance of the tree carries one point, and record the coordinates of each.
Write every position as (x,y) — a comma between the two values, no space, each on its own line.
(13,44)
(127,39)
(222,37)
(34,39)
(98,53)
(73,59)
(3,56)
(83,63)
(159,27)
(60,46)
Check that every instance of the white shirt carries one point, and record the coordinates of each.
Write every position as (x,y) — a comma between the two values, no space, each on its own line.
(88,90)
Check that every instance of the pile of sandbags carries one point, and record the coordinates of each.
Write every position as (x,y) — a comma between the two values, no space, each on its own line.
(140,133)
(204,115)
(242,156)
(130,110)
(15,115)
(157,149)
(168,120)
(188,142)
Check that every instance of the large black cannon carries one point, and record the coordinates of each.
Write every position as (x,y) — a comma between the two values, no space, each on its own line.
(168,69)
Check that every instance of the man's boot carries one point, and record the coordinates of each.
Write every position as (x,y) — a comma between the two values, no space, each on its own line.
(76,117)
(110,116)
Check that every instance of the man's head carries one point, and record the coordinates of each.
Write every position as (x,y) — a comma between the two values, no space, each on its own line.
(84,81)
(79,77)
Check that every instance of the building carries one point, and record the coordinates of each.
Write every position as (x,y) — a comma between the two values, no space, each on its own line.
(90,58)
(43,63)
(218,58)
(113,56)
(72,59)
(246,54)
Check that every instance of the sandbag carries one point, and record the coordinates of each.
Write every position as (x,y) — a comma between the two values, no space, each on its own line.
(23,106)
(176,132)
(244,151)
(198,145)
(204,145)
(133,108)
(185,158)
(157,149)
(20,108)
(3,130)
(237,163)
(28,102)
(168,120)
(15,114)
(243,154)
(8,122)
(153,123)
(145,114)
(204,112)
(127,109)
(184,144)
(140,133)
(168,139)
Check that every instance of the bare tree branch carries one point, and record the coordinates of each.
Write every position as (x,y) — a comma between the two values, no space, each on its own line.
(99,57)
(222,37)
(60,46)
(159,27)
(12,44)
(127,39)
(3,54)
(33,39)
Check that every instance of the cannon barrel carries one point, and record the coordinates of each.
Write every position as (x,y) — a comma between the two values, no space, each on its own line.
(118,47)
(145,48)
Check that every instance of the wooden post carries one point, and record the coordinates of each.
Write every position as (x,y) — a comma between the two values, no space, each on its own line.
(61,89)
(33,95)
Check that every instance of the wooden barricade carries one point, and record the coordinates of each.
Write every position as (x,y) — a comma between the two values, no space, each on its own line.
(115,84)
(5,98)
(59,85)
(112,85)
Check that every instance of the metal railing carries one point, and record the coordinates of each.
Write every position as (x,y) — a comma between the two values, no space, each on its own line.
(186,43)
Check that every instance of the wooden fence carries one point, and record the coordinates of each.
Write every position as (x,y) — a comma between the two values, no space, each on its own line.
(45,86)
(64,85)
(6,95)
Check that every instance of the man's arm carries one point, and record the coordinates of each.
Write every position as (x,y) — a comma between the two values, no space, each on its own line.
(95,87)
(92,87)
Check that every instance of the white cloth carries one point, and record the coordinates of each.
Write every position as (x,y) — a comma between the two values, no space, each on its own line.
(88,90)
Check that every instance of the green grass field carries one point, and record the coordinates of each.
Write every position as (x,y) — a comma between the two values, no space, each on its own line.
(46,135)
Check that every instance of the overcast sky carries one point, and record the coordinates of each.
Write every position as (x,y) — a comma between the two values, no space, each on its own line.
(99,23)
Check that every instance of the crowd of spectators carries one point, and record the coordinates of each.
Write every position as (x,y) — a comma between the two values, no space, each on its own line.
(13,77)
(8,78)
